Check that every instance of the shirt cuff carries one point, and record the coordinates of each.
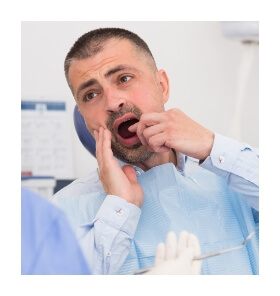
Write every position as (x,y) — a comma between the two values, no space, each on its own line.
(119,214)
(230,156)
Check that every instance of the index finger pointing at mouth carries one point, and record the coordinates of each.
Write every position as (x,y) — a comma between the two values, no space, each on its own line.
(133,128)
(147,120)
(151,118)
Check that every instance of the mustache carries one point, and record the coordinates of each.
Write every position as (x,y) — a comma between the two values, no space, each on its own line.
(123,110)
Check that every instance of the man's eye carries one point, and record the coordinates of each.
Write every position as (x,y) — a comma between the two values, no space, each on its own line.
(89,96)
(125,78)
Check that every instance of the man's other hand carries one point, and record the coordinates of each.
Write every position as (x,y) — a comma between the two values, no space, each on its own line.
(173,129)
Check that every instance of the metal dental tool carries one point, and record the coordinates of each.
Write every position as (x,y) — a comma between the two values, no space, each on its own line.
(227,250)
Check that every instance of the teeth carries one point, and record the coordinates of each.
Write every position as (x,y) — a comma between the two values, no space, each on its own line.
(127,119)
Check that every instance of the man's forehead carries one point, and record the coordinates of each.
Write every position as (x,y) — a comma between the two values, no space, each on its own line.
(112,50)
(118,52)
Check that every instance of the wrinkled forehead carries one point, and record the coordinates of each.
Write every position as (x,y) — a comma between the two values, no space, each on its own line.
(108,50)
(111,52)
(118,45)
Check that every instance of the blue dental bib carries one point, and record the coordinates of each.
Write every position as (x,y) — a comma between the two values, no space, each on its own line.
(200,203)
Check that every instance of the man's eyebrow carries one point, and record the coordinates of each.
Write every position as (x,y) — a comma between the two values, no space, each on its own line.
(118,69)
(86,84)
(92,82)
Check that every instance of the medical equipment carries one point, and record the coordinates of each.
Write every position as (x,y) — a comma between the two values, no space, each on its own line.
(208,255)
(213,254)
(175,256)
(84,135)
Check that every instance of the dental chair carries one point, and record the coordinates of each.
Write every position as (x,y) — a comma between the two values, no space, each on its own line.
(83,133)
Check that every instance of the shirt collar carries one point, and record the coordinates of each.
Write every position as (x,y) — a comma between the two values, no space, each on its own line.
(181,162)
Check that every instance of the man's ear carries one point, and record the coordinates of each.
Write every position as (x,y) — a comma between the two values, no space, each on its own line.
(164,84)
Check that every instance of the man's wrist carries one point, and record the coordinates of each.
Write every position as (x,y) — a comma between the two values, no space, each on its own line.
(208,147)
(135,202)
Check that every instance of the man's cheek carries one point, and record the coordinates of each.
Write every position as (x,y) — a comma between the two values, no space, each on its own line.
(93,122)
(91,126)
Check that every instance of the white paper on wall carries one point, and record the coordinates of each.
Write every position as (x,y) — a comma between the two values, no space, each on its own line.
(46,142)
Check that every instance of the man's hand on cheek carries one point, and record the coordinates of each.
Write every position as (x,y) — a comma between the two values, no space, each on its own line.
(117,181)
(174,129)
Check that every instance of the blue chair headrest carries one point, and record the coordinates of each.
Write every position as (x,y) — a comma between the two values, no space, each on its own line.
(83,133)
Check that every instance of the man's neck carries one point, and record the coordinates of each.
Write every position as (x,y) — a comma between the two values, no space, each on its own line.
(158,159)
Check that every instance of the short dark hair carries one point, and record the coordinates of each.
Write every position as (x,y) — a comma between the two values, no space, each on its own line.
(92,42)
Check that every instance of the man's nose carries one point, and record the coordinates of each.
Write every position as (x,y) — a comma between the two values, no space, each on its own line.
(114,101)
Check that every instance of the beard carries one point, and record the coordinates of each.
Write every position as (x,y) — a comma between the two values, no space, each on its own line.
(134,154)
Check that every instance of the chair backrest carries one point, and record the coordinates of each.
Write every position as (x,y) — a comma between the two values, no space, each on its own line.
(83,133)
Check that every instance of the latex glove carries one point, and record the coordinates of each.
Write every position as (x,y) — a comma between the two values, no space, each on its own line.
(176,257)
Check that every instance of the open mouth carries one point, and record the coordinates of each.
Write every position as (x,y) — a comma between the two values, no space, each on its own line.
(121,126)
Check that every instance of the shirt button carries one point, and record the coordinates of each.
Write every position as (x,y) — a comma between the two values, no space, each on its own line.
(138,173)
(119,212)
(221,159)
(109,254)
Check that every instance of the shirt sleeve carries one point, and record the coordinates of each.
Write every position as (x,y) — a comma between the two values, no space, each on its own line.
(107,240)
(238,163)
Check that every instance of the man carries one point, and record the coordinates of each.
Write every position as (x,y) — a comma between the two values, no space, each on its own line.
(121,95)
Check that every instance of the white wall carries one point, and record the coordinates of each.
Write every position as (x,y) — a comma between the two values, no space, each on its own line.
(202,64)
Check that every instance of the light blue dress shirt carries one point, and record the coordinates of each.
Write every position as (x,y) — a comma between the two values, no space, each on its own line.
(238,164)
(119,237)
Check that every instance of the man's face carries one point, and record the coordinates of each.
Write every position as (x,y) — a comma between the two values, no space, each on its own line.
(113,88)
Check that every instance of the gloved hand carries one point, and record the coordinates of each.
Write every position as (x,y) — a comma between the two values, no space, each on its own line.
(176,257)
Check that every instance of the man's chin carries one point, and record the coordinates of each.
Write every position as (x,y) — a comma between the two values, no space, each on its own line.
(132,155)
